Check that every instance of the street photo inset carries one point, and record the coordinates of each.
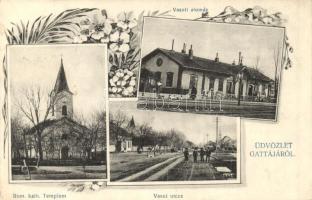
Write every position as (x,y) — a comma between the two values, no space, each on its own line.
(57,109)
(210,68)
(157,147)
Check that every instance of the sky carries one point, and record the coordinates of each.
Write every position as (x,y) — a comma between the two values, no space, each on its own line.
(194,126)
(209,38)
(32,66)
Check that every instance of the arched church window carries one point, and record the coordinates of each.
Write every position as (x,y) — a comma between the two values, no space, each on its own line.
(64,110)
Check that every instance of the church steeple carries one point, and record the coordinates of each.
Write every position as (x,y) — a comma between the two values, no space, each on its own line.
(61,81)
(63,106)
(131,123)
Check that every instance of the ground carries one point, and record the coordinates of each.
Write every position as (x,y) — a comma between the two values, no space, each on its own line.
(260,110)
(60,173)
(125,164)
(131,167)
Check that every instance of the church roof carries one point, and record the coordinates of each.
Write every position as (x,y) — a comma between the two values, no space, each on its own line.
(52,122)
(61,81)
(204,64)
(114,129)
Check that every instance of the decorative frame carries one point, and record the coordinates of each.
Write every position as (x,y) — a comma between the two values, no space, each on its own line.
(123,39)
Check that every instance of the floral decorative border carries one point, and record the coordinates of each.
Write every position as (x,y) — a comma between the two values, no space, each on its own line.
(123,38)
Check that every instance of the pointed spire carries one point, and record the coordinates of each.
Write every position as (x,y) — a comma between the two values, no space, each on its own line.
(191,52)
(184,48)
(131,123)
(217,57)
(61,81)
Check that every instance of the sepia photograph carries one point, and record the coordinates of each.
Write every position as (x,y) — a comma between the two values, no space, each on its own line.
(211,68)
(57,104)
(157,147)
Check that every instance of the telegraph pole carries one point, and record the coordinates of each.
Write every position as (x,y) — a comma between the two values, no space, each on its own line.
(217,121)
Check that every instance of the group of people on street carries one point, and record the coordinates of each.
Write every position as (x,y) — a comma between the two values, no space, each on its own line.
(203,153)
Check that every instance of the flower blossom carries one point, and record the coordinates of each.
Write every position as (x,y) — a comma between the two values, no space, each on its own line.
(119,41)
(126,22)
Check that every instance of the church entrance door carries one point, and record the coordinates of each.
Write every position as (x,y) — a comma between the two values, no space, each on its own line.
(64,153)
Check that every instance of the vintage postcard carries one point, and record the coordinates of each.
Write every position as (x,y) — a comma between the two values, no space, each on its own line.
(156,147)
(57,99)
(211,68)
(153,100)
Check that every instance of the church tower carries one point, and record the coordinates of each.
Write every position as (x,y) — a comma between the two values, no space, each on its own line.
(62,96)
(131,123)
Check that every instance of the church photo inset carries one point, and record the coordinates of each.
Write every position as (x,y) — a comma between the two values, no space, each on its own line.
(57,112)
(211,68)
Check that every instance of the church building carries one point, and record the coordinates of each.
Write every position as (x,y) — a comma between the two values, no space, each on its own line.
(172,72)
(63,138)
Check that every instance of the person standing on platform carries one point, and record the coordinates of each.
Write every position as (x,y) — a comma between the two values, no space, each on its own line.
(208,153)
(186,154)
(202,154)
(195,155)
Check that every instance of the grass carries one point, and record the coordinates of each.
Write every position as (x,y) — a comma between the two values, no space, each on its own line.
(63,173)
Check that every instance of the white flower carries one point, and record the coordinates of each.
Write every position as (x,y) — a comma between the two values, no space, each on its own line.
(115,79)
(112,83)
(125,92)
(130,89)
(229,10)
(111,74)
(267,20)
(120,41)
(130,73)
(132,83)
(118,83)
(114,89)
(126,77)
(119,90)
(101,32)
(104,40)
(123,83)
(119,74)
(238,19)
(95,187)
(126,22)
